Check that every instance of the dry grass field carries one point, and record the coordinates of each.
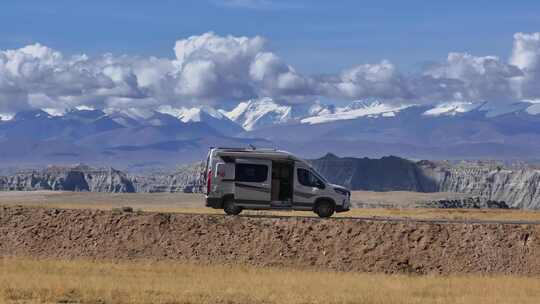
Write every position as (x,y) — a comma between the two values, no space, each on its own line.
(81,281)
(193,203)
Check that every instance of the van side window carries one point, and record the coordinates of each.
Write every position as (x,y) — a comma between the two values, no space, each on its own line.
(251,173)
(308,179)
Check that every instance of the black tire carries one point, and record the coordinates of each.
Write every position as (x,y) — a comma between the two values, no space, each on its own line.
(325,209)
(230,207)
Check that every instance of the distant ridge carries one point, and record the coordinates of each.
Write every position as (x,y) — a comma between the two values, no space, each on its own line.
(168,136)
(517,186)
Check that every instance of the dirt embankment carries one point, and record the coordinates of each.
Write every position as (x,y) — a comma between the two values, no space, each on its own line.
(340,244)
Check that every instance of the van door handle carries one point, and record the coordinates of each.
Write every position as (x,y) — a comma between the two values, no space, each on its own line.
(265,185)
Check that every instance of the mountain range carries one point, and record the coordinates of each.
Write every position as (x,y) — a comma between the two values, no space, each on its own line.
(164,136)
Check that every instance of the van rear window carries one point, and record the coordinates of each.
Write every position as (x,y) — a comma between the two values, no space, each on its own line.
(251,173)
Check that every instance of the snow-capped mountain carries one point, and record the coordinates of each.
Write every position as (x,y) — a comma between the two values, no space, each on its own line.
(354,110)
(362,128)
(129,118)
(110,137)
(374,108)
(490,109)
(205,114)
(451,108)
(260,113)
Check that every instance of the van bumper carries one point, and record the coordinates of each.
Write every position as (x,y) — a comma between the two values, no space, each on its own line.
(342,209)
(214,202)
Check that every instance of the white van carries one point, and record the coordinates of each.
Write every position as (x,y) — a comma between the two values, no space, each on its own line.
(262,179)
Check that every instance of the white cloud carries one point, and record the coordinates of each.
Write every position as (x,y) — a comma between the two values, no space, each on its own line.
(368,80)
(198,79)
(209,68)
(526,56)
(213,67)
(475,78)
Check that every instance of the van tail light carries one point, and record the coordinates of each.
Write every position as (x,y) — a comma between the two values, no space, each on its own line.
(208,182)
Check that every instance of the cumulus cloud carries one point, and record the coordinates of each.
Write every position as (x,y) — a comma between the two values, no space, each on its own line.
(526,56)
(208,69)
(211,67)
(368,80)
(468,77)
(41,77)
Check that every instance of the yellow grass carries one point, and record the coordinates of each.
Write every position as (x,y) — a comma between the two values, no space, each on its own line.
(55,281)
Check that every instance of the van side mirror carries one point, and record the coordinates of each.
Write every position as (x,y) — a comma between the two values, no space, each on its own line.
(320,184)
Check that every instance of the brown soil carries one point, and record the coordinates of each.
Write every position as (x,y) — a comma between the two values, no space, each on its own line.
(339,244)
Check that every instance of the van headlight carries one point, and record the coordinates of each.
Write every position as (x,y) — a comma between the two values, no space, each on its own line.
(341,191)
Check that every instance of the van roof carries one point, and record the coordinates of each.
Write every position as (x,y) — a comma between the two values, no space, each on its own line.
(256,153)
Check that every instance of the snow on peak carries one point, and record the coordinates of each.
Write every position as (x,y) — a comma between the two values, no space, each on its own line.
(356,109)
(54,112)
(451,108)
(6,116)
(85,108)
(205,114)
(319,109)
(490,109)
(194,114)
(534,108)
(131,117)
(362,104)
(257,113)
(497,109)
(190,114)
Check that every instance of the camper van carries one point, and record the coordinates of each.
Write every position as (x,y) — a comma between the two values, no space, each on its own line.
(261,179)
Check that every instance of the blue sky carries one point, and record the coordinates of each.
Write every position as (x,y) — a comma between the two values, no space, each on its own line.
(314,36)
(151,54)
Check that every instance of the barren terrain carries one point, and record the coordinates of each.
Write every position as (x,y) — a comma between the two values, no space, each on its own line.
(82,248)
(343,244)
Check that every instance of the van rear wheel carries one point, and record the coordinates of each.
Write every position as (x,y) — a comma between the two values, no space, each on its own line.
(325,209)
(230,207)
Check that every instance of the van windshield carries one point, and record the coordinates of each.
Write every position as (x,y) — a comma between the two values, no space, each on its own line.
(319,176)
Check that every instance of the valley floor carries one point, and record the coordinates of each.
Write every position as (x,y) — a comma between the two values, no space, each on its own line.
(24,280)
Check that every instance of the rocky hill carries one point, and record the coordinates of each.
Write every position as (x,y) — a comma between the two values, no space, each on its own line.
(519,187)
(78,178)
(486,183)
(183,179)
(491,182)
(84,178)
(385,174)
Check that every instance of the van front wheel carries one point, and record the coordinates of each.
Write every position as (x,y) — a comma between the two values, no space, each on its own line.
(325,209)
(230,207)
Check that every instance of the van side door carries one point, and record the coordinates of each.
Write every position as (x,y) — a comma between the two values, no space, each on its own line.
(307,187)
(253,183)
